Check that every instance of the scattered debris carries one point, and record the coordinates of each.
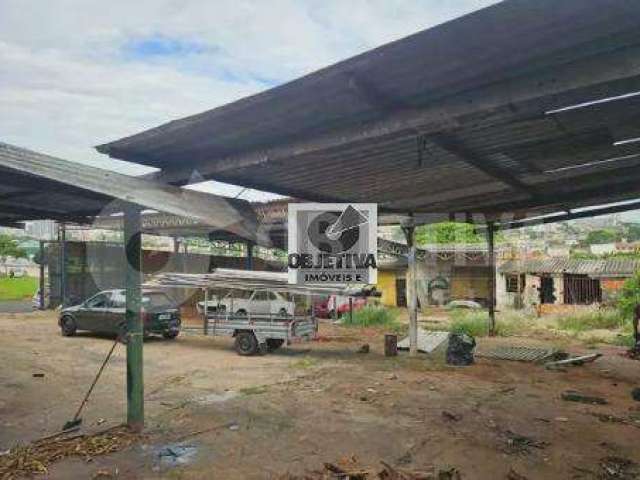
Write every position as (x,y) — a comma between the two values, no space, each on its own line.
(350,469)
(573,396)
(513,475)
(523,354)
(34,458)
(516,443)
(561,419)
(460,349)
(581,360)
(103,474)
(364,348)
(619,468)
(173,455)
(608,418)
(454,417)
(428,341)
(37,375)
(635,394)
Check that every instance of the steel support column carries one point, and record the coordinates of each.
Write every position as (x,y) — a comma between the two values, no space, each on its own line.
(133,280)
(249,258)
(492,277)
(412,289)
(41,280)
(62,238)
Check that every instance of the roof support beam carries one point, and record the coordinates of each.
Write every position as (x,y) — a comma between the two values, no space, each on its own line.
(236,216)
(28,213)
(572,215)
(484,164)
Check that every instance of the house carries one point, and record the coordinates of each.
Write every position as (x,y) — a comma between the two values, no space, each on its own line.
(445,273)
(561,281)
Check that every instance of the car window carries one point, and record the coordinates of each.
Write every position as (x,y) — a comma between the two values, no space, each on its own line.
(99,301)
(156,300)
(261,296)
(118,300)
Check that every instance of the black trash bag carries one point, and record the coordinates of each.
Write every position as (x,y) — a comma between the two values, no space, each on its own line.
(460,349)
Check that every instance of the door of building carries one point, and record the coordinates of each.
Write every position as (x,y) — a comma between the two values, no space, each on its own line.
(547,290)
(401,292)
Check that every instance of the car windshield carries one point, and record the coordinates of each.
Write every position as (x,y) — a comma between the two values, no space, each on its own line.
(156,300)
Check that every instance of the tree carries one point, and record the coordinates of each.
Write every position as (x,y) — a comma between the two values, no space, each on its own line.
(9,248)
(448,232)
(629,296)
(605,235)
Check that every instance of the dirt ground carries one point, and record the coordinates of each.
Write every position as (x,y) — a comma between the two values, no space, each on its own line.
(293,410)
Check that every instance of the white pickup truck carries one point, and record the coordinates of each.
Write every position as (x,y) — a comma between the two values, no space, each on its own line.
(257,302)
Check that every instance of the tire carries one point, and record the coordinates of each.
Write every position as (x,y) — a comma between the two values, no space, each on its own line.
(274,344)
(170,335)
(68,326)
(283,313)
(241,313)
(246,344)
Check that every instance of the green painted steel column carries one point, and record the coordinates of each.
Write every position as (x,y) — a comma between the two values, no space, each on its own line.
(492,277)
(133,280)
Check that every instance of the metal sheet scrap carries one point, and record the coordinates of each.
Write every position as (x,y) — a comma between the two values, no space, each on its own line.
(521,353)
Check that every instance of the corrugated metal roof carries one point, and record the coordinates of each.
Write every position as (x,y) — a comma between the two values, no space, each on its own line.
(451,119)
(595,267)
(37,186)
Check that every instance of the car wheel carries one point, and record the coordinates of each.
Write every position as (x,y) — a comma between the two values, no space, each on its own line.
(274,344)
(68,326)
(283,313)
(246,343)
(241,313)
(170,335)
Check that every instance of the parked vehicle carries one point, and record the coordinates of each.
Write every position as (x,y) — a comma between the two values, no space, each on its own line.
(325,308)
(261,334)
(252,303)
(105,313)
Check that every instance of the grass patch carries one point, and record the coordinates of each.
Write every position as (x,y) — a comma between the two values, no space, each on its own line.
(257,390)
(18,288)
(592,319)
(476,323)
(304,363)
(371,316)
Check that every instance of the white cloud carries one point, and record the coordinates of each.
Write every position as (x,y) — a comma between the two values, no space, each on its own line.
(70,79)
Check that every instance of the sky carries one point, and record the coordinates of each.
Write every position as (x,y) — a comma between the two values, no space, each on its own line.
(79,73)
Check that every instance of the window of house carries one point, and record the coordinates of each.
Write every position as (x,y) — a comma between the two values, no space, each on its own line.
(512,283)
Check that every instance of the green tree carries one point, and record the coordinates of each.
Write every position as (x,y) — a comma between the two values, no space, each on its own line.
(9,248)
(448,232)
(629,296)
(605,235)
(632,232)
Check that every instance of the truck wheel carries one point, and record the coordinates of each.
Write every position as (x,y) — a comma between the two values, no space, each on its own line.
(241,313)
(246,343)
(68,326)
(283,313)
(274,343)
